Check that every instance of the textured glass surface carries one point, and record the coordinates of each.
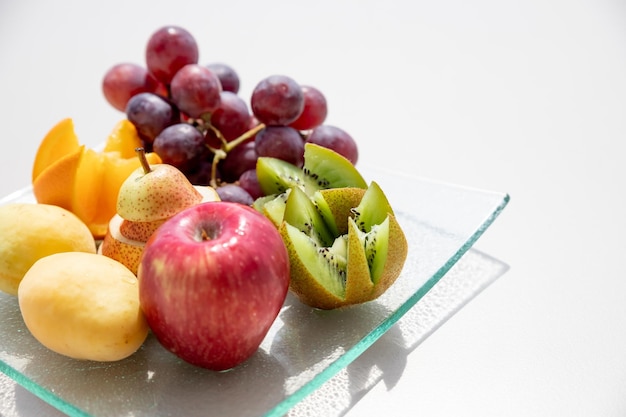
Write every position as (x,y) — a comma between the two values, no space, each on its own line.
(384,361)
(304,348)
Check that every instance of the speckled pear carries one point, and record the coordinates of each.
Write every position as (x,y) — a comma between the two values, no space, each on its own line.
(125,239)
(155,192)
(124,250)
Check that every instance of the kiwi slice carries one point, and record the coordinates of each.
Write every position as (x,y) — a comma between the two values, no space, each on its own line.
(351,262)
(323,168)
(329,169)
(375,246)
(320,279)
(334,203)
(277,176)
(260,202)
(364,214)
(272,206)
(371,217)
(301,212)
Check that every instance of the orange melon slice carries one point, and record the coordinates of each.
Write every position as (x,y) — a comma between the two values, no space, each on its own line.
(87,193)
(123,139)
(55,184)
(61,140)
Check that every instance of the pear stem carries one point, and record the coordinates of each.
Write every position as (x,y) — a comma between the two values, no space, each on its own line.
(141,154)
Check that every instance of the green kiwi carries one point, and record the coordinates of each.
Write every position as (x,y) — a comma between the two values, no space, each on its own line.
(344,243)
(300,212)
(329,169)
(272,206)
(323,168)
(373,208)
(351,262)
(316,275)
(375,245)
(260,202)
(371,217)
(277,176)
(334,203)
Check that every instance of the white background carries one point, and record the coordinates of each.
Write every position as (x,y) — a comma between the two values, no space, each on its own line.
(525,97)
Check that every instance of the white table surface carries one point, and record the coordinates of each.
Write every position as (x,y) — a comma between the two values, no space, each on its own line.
(524,97)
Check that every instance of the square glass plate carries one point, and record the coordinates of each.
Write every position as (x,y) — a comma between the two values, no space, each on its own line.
(304,348)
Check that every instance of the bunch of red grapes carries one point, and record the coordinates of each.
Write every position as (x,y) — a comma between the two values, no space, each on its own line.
(192,116)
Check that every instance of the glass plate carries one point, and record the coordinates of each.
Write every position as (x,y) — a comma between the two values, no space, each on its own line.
(304,348)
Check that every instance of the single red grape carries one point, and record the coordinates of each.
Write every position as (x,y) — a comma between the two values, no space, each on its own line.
(150,114)
(282,142)
(277,100)
(124,80)
(315,109)
(242,158)
(234,194)
(195,90)
(231,117)
(250,182)
(169,49)
(227,75)
(180,145)
(336,139)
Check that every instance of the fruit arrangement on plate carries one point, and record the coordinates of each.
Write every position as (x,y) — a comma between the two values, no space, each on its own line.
(196,218)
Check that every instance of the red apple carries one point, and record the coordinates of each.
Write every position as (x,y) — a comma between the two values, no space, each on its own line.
(212,280)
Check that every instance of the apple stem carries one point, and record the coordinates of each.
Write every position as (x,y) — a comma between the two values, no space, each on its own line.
(141,154)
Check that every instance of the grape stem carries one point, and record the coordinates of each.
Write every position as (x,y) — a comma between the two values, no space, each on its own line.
(217,133)
(141,154)
(219,154)
(229,146)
